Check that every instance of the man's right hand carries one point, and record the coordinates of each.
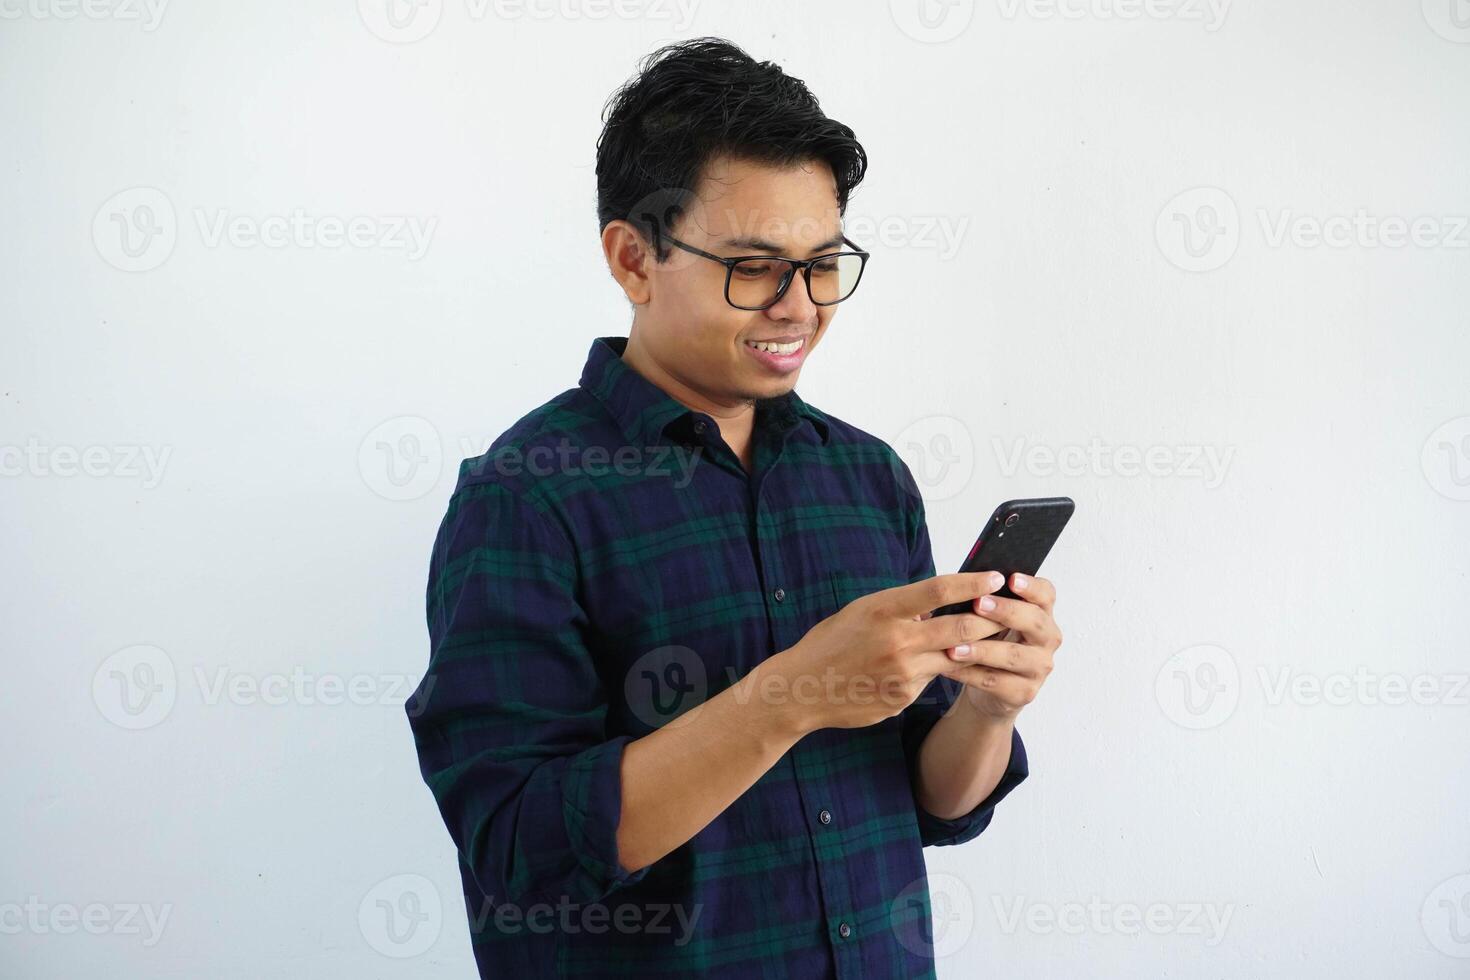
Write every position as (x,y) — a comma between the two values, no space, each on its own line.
(873,657)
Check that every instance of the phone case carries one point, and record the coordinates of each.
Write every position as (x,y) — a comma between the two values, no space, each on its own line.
(1017,538)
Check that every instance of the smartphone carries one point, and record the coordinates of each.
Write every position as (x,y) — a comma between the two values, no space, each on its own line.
(1017,538)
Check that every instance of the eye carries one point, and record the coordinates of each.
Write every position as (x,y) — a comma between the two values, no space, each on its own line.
(754,270)
(825,267)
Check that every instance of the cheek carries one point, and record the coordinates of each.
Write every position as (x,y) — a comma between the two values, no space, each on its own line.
(824,317)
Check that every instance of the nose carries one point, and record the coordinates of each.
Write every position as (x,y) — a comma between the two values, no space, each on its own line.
(795,305)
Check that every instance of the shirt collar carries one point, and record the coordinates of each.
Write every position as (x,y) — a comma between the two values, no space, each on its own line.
(643,411)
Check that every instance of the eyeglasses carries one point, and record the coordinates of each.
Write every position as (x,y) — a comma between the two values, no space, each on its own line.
(757,282)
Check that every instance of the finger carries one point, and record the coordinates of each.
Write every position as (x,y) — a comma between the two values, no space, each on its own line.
(1023,617)
(1011,689)
(1034,589)
(1006,655)
(925,665)
(907,601)
(932,663)
(944,633)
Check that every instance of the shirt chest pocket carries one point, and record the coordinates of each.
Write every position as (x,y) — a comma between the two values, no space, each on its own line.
(885,569)
(873,556)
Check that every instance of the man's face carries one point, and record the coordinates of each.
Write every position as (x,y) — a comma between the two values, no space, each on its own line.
(741,208)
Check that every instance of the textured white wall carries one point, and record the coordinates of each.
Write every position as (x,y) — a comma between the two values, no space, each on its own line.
(1267,434)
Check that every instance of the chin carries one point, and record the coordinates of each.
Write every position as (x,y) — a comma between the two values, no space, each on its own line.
(781,387)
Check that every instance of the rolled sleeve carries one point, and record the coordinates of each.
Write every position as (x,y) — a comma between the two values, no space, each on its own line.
(918,719)
(921,716)
(509,719)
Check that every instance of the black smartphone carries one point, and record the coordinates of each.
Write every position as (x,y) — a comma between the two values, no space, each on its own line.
(1017,538)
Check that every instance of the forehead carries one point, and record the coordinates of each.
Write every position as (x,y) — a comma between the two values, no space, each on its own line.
(738,198)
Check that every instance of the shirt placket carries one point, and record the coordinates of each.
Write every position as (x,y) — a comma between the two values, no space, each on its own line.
(813,784)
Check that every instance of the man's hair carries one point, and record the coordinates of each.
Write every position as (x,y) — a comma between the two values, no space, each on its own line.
(694,101)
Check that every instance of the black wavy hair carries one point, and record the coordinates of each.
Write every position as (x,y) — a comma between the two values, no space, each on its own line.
(696,100)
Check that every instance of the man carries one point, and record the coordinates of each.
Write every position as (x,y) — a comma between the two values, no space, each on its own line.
(686,712)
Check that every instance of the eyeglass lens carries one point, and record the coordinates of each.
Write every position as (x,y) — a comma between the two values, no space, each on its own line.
(755,282)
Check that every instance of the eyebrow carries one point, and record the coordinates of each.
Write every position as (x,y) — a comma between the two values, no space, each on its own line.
(761,245)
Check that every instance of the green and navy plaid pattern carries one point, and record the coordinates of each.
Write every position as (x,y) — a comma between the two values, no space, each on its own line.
(604,566)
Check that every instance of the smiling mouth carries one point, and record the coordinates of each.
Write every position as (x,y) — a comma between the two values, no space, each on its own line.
(778,346)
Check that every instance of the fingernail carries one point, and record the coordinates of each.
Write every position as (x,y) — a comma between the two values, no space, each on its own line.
(987,603)
(963,650)
(997,580)
(1021,582)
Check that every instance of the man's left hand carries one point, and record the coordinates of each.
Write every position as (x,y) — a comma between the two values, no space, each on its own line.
(1004,674)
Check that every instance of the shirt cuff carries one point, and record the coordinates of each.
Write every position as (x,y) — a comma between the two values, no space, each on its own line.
(592,802)
(935,832)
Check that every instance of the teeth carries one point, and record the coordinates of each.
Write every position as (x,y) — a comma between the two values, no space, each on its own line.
(790,348)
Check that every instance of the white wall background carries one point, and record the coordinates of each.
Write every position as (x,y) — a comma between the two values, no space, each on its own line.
(1301,524)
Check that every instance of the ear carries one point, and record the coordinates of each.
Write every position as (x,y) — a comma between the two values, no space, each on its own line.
(629,259)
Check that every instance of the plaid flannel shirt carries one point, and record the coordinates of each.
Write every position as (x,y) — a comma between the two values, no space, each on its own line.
(605,565)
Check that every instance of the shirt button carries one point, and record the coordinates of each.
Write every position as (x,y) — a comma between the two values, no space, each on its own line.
(844,930)
(699,427)
(780,594)
(825,816)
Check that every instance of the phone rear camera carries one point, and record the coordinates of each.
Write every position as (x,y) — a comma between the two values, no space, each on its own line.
(1012,518)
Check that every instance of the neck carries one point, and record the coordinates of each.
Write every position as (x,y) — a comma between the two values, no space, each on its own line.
(735,418)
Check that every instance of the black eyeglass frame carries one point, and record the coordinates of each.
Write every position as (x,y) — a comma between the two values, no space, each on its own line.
(804,265)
